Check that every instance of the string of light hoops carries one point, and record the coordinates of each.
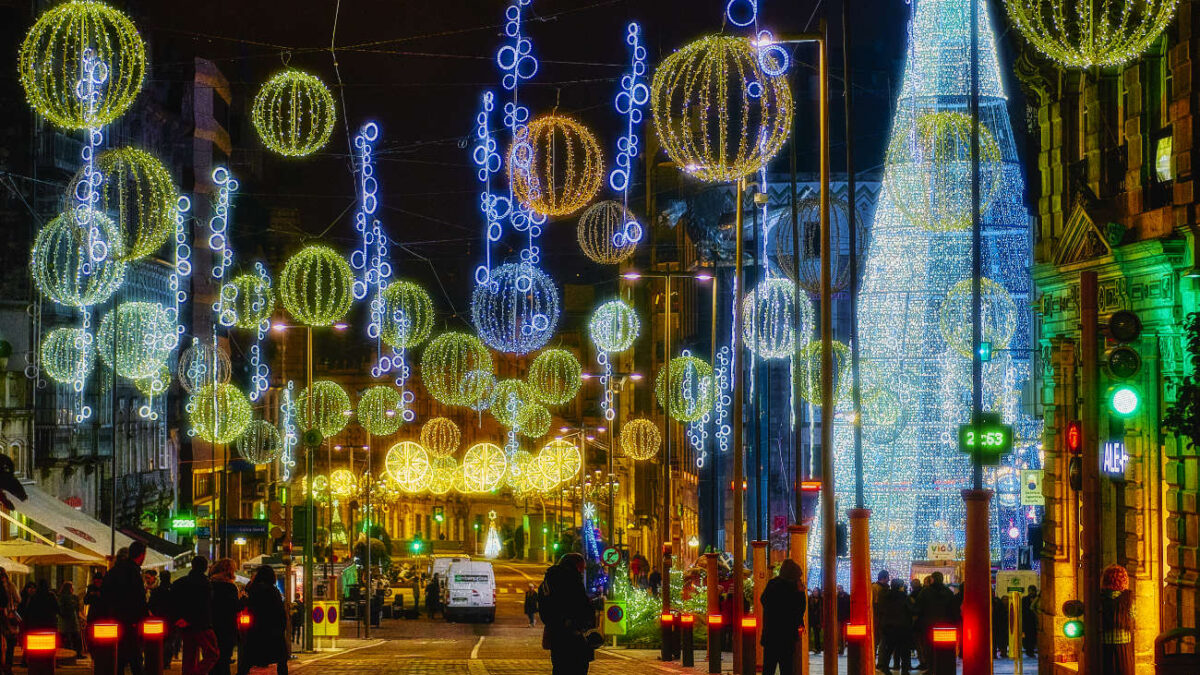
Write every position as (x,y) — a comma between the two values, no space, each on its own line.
(294,113)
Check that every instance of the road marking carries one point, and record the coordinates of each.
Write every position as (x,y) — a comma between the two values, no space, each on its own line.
(475,650)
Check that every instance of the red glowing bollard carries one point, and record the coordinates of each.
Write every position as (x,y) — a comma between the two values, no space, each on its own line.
(715,622)
(749,638)
(41,647)
(104,637)
(945,650)
(687,649)
(667,621)
(154,633)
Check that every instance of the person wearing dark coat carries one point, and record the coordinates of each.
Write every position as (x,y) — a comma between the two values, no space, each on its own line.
(123,598)
(191,614)
(895,628)
(42,610)
(531,606)
(1116,622)
(68,619)
(783,608)
(843,616)
(1000,627)
(1029,619)
(433,597)
(568,617)
(159,606)
(266,639)
(91,599)
(815,615)
(655,580)
(225,606)
(936,606)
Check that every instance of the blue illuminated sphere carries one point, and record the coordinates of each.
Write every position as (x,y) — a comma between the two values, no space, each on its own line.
(517,310)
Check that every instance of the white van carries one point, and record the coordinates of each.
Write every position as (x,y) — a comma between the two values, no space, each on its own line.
(439,566)
(470,591)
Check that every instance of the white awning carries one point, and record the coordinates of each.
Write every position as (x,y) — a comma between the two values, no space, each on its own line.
(12,566)
(85,531)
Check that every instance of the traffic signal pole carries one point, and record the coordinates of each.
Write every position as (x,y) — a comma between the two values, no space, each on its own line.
(735,358)
(1091,511)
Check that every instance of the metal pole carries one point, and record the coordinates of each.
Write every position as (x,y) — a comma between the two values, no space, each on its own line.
(1092,507)
(739,544)
(714,474)
(667,426)
(309,520)
(367,519)
(112,394)
(797,438)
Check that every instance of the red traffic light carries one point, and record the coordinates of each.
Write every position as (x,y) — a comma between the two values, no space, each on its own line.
(1074,436)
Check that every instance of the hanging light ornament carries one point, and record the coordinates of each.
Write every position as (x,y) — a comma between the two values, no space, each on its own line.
(560,461)
(555,376)
(454,367)
(202,363)
(768,319)
(134,185)
(67,356)
(640,439)
(294,113)
(65,37)
(250,299)
(483,467)
(555,165)
(806,262)
(929,170)
(154,385)
(442,474)
(63,269)
(520,467)
(331,409)
(614,326)
(533,420)
(260,443)
(508,398)
(145,337)
(1088,33)
(999,316)
(482,386)
(316,286)
(379,410)
(808,372)
(407,315)
(342,483)
(407,463)
(692,388)
(608,233)
(220,413)
(320,488)
(718,114)
(440,436)
(517,310)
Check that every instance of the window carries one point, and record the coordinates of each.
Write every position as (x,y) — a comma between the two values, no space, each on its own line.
(1164,163)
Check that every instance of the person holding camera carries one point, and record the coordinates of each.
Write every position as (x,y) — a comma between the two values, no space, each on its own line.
(568,617)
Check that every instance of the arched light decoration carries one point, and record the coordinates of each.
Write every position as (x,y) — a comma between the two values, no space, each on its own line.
(614,326)
(136,187)
(555,376)
(999,316)
(517,311)
(220,413)
(521,466)
(260,443)
(508,398)
(67,356)
(533,420)
(768,319)
(718,114)
(929,170)
(608,233)
(440,436)
(808,372)
(379,410)
(560,460)
(342,483)
(202,363)
(806,262)
(331,409)
(63,269)
(406,318)
(483,467)
(145,337)
(251,300)
(407,463)
(555,165)
(316,286)
(49,64)
(456,368)
(294,113)
(1091,33)
(640,439)
(442,473)
(692,388)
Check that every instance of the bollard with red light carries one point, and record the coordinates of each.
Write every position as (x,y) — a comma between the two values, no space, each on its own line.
(676,628)
(715,623)
(104,637)
(944,647)
(41,647)
(154,634)
(667,621)
(244,621)
(749,636)
(856,634)
(687,646)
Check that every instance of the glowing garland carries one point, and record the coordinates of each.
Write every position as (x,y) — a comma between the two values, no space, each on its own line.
(218,241)
(66,356)
(291,436)
(136,187)
(440,436)
(533,420)
(260,371)
(145,337)
(560,460)
(1088,34)
(442,474)
(63,269)
(691,389)
(508,398)
(456,368)
(294,113)
(379,410)
(495,208)
(407,463)
(342,483)
(999,316)
(629,102)
(201,364)
(608,232)
(331,408)
(76,33)
(316,286)
(182,269)
(260,443)
(483,467)
(220,413)
(556,165)
(518,310)
(250,300)
(640,439)
(555,376)
(769,320)
(406,315)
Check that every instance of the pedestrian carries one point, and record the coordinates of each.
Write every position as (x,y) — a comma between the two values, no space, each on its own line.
(266,639)
(814,620)
(91,598)
(999,626)
(68,618)
(531,603)
(225,605)
(783,608)
(191,613)
(159,606)
(655,580)
(895,628)
(567,617)
(42,610)
(10,622)
(123,598)
(433,596)
(843,617)
(1029,612)
(936,606)
(882,585)
(298,619)
(27,592)
(1116,622)
(416,591)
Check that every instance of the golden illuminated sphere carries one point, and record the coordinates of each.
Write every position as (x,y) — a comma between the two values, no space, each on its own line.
(456,368)
(998,311)
(808,372)
(317,286)
(294,113)
(555,376)
(249,300)
(560,460)
(342,483)
(320,488)
(769,318)
(406,315)
(442,473)
(379,410)
(76,47)
(203,363)
(608,233)
(407,463)
(440,436)
(220,413)
(260,443)
(139,190)
(483,467)
(533,420)
(1091,33)
(640,439)
(60,255)
(718,114)
(557,167)
(508,398)
(145,336)
(928,170)
(520,466)
(692,388)
(67,356)
(331,409)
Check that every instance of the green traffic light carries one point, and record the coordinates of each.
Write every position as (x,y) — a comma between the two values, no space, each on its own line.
(416,546)
(1124,400)
(1073,628)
